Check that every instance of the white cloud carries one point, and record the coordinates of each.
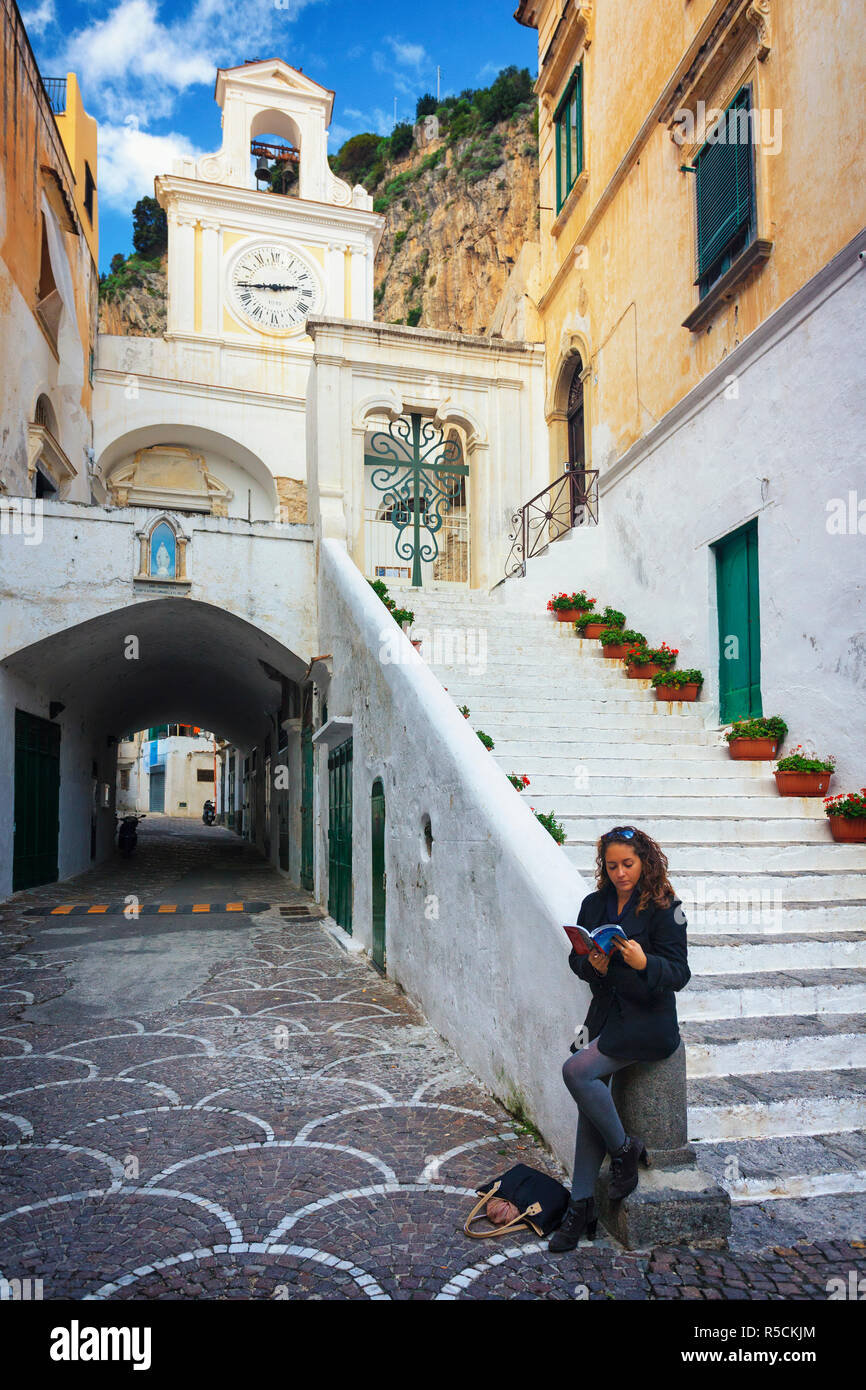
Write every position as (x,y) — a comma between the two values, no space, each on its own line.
(411,55)
(37,20)
(130,158)
(132,53)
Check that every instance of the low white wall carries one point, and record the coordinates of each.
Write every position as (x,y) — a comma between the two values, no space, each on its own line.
(490,970)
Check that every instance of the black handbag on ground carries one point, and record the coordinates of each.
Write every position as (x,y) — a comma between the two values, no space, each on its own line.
(540,1200)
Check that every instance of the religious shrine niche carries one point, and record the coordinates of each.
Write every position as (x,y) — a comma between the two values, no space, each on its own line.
(162,552)
(170,476)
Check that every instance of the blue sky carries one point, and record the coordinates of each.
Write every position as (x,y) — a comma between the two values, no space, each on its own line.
(147,70)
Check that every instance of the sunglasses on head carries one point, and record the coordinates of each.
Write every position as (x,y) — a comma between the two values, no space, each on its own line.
(619,832)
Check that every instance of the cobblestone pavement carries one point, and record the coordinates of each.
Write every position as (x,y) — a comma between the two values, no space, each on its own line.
(283,1124)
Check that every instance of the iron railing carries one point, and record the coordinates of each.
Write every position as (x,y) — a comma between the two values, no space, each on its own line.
(55,90)
(571,500)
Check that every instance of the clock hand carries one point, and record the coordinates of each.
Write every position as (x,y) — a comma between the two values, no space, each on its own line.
(251,285)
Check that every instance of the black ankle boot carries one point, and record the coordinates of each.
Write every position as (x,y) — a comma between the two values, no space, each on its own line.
(623,1167)
(580,1217)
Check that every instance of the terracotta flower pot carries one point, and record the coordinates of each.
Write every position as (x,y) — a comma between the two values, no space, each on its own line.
(567,615)
(848,829)
(678,692)
(645,672)
(616,652)
(593,630)
(803,783)
(416,643)
(753,747)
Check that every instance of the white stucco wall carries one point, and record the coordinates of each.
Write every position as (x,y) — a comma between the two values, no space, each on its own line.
(490,971)
(777,432)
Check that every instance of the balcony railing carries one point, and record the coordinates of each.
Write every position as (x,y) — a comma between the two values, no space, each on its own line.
(571,500)
(55,90)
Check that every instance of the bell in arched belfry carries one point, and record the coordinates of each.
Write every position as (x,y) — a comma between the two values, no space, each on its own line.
(263,168)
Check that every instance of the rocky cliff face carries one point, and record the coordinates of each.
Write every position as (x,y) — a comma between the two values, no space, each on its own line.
(454,231)
(456,215)
(133,303)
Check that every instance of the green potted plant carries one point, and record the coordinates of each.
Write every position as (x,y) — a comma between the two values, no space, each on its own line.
(798,774)
(615,642)
(846,814)
(518,780)
(566,608)
(590,625)
(464,710)
(486,740)
(645,662)
(551,824)
(756,738)
(678,685)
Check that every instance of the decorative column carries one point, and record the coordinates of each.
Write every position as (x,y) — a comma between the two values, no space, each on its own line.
(211,290)
(182,287)
(360,308)
(335,279)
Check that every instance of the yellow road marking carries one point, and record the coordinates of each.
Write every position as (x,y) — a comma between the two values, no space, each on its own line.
(201,907)
(234,907)
(63,910)
(167,907)
(100,907)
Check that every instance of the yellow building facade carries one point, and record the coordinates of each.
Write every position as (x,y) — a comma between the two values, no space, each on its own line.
(48,276)
(629,92)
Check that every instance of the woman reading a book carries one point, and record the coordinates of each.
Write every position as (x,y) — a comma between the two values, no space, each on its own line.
(631,951)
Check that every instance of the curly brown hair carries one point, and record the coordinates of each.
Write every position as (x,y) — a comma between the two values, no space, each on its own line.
(655,885)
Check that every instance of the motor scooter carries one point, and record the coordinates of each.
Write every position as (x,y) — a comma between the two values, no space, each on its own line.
(208,815)
(127,834)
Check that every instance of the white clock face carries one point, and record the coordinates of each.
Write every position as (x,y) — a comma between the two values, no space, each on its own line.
(273,289)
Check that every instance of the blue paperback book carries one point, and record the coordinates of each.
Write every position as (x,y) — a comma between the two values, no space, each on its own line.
(601,939)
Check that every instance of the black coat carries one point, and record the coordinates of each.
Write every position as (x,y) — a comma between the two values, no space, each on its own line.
(633,1013)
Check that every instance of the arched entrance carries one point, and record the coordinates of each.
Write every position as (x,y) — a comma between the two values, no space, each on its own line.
(140,667)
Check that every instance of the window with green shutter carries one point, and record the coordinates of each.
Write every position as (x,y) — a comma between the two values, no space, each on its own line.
(725,191)
(568,130)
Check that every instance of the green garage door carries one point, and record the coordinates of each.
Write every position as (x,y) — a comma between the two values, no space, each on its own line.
(37,801)
(739,624)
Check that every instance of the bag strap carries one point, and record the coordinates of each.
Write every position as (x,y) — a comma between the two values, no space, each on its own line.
(517,1223)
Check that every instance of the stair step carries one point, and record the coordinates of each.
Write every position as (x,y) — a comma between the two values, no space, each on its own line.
(807,1165)
(773,1104)
(776,993)
(804,1042)
(639,807)
(787,856)
(753,831)
(743,954)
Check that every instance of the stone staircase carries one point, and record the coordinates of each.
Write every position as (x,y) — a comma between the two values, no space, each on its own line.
(773,1016)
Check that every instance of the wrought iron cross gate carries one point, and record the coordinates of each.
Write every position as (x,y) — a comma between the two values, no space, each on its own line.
(416,470)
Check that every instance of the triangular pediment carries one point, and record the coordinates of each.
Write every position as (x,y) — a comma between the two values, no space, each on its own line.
(275,75)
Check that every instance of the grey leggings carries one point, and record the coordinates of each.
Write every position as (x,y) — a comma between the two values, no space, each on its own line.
(599,1128)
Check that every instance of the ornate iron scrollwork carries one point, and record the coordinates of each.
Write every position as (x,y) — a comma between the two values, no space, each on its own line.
(417,470)
(572,500)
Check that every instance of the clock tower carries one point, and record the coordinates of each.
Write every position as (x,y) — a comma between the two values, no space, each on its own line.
(262,234)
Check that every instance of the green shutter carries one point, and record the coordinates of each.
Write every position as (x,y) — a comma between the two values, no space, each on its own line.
(724,191)
(568,132)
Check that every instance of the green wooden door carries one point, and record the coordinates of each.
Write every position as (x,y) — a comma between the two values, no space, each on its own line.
(377,805)
(739,624)
(340,835)
(37,801)
(307,809)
